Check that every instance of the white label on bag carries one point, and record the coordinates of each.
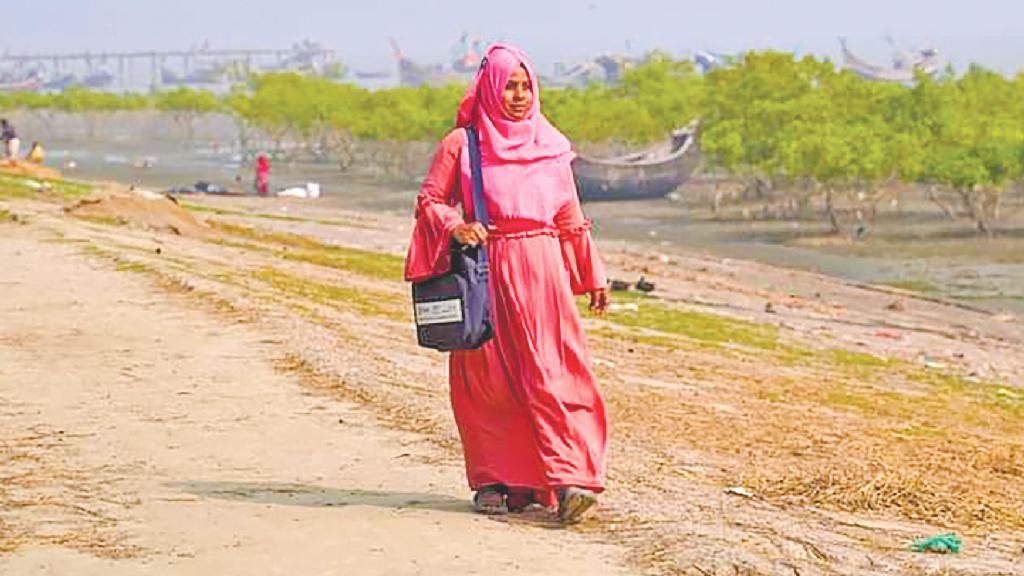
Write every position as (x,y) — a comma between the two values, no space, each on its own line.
(438,312)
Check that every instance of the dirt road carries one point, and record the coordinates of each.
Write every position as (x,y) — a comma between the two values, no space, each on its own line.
(139,435)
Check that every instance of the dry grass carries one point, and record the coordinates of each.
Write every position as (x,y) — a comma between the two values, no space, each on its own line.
(842,431)
(37,479)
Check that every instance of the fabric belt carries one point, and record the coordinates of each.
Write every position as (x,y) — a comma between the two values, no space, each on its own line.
(512,229)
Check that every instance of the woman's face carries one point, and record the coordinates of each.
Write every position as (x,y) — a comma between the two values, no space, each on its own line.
(517,98)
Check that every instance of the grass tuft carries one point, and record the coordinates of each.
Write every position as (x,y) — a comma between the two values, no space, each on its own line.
(362,300)
(295,247)
(17,187)
(913,285)
(704,327)
(364,262)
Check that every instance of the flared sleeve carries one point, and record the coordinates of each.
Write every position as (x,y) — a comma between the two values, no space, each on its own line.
(586,271)
(436,212)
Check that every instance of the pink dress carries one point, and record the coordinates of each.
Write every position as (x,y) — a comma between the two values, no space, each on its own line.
(527,405)
(262,175)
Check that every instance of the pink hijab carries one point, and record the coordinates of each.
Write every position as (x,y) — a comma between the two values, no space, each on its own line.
(504,139)
(527,162)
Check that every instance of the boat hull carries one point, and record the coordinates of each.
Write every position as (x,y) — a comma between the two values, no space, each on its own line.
(601,183)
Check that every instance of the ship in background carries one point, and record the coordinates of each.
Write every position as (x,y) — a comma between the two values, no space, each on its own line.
(218,69)
(468,51)
(906,65)
(604,69)
(465,60)
(205,67)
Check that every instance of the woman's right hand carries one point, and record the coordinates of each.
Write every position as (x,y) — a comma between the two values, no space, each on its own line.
(470,233)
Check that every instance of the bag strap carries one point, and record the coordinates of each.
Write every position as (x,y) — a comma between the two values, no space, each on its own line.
(477,175)
(476,171)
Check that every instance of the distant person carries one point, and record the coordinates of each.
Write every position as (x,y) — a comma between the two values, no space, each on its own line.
(526,403)
(10,138)
(262,175)
(36,154)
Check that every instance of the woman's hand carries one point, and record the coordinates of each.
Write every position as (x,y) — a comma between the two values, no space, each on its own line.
(470,234)
(599,301)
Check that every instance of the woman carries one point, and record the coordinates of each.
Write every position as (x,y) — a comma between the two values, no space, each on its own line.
(10,138)
(527,405)
(36,154)
(262,175)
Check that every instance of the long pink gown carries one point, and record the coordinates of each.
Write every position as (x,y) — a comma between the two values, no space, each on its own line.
(527,405)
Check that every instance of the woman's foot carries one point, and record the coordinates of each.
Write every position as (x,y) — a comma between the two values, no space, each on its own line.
(519,498)
(490,500)
(573,503)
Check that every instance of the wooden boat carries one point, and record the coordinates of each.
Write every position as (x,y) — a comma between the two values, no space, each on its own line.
(652,173)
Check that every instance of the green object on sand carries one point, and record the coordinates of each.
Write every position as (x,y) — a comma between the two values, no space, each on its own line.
(941,544)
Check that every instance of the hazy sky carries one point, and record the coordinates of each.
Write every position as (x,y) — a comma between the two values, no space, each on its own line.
(987,31)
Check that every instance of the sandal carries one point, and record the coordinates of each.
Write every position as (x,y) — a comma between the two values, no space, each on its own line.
(518,499)
(573,503)
(490,500)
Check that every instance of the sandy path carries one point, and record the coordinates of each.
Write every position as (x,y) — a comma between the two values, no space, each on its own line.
(159,439)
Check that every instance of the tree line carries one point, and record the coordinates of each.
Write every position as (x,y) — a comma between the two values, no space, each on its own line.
(798,123)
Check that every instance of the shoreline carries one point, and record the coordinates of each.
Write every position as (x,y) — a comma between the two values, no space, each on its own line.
(795,386)
(911,246)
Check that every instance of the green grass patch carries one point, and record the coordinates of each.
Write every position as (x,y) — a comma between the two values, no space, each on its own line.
(850,359)
(642,337)
(875,402)
(104,220)
(128,266)
(704,327)
(193,207)
(267,236)
(94,250)
(241,245)
(363,262)
(364,301)
(940,380)
(913,285)
(1007,399)
(771,396)
(202,208)
(923,431)
(948,400)
(15,187)
(377,265)
(72,189)
(833,359)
